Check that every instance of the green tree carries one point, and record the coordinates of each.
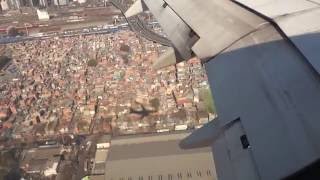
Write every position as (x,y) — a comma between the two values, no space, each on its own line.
(4,60)
(155,102)
(12,31)
(125,48)
(83,126)
(92,62)
(207,98)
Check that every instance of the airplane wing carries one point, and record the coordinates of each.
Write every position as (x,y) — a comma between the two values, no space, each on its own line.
(262,61)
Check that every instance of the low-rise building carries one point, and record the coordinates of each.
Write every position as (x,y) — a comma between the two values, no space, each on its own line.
(102,149)
(41,161)
(157,157)
(43,15)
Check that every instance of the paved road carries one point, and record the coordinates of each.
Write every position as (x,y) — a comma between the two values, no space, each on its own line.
(140,27)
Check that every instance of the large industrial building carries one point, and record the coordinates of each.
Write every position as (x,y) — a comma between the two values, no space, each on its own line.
(157,157)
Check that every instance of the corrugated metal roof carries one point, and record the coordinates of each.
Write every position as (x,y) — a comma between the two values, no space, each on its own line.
(101,155)
(158,157)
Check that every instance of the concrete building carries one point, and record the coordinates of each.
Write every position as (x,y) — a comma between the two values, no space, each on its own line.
(100,161)
(44,160)
(82,1)
(61,2)
(102,146)
(43,14)
(104,142)
(4,5)
(158,157)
